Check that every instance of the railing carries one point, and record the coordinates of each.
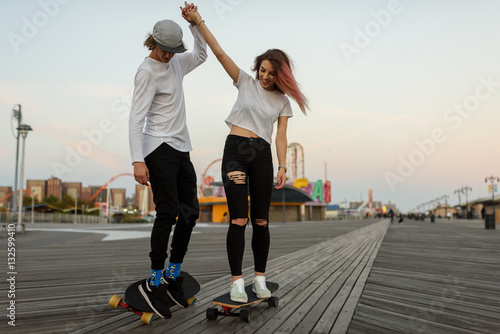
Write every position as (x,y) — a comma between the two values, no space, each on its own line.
(53,218)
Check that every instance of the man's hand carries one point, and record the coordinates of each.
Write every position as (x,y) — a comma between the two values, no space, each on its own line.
(141,173)
(188,13)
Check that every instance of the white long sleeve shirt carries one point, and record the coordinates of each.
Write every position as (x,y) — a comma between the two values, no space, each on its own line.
(158,113)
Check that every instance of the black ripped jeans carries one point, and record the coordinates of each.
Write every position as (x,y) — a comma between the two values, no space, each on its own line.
(173,181)
(247,169)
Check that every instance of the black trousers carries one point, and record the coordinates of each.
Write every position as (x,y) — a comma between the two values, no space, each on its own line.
(173,181)
(247,169)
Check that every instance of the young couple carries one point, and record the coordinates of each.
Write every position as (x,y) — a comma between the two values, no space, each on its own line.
(160,145)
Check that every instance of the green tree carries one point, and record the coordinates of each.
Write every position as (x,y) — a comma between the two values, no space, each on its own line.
(51,200)
(27,201)
(66,202)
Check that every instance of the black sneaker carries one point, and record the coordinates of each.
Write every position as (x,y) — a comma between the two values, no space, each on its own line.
(175,291)
(156,297)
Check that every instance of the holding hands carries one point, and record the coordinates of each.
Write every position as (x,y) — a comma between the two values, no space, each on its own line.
(190,13)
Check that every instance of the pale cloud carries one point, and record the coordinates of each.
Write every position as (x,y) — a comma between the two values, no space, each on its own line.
(357,132)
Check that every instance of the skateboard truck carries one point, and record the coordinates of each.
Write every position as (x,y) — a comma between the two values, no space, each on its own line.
(146,317)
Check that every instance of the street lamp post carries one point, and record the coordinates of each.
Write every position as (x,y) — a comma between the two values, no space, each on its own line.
(458,192)
(445,197)
(108,194)
(76,205)
(16,115)
(32,206)
(492,180)
(466,190)
(23,131)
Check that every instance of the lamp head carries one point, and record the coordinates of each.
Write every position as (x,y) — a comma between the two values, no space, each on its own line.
(24,129)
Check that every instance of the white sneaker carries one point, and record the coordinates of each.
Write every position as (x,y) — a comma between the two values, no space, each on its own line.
(238,293)
(259,287)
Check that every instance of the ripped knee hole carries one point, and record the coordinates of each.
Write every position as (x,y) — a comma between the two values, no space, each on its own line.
(261,222)
(237,177)
(239,221)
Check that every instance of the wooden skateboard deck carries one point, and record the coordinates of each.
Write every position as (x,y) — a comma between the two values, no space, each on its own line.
(229,306)
(135,302)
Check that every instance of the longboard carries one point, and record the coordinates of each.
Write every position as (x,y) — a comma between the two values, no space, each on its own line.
(135,302)
(229,307)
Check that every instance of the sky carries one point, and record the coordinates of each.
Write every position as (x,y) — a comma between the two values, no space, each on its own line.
(404,95)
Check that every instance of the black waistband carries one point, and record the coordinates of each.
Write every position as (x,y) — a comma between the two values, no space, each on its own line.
(247,139)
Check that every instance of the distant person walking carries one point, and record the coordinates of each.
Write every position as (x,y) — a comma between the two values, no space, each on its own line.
(247,161)
(160,154)
(391,215)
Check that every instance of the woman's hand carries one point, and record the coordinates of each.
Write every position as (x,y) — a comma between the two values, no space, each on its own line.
(141,173)
(280,179)
(190,13)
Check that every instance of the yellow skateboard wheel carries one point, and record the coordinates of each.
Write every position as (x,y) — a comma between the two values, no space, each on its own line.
(115,301)
(147,317)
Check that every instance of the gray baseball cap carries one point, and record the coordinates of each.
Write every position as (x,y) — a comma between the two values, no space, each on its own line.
(168,36)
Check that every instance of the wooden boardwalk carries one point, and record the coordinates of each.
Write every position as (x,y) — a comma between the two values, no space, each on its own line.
(66,273)
(319,289)
(335,277)
(433,278)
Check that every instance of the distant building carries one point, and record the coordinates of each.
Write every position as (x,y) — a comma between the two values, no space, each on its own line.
(86,193)
(38,188)
(144,198)
(54,188)
(354,205)
(443,210)
(73,189)
(118,198)
(4,192)
(130,202)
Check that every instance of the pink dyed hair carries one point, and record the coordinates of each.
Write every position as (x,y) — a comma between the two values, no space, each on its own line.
(285,81)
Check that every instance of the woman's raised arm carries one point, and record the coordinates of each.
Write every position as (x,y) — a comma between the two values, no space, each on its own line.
(191,14)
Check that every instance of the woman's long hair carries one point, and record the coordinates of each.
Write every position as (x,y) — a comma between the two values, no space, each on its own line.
(285,81)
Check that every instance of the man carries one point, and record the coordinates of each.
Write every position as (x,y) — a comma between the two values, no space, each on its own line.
(160,155)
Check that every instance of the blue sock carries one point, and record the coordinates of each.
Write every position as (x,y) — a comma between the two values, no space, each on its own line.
(173,270)
(155,277)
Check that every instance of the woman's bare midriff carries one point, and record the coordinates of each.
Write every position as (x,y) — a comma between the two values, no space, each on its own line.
(237,131)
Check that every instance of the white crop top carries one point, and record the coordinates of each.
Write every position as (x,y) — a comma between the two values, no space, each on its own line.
(257,109)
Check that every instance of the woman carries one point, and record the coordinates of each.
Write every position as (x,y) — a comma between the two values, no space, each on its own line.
(247,161)
(160,155)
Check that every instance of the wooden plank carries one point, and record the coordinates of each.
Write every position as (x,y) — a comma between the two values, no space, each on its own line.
(287,318)
(439,278)
(319,302)
(341,325)
(331,314)
(374,316)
